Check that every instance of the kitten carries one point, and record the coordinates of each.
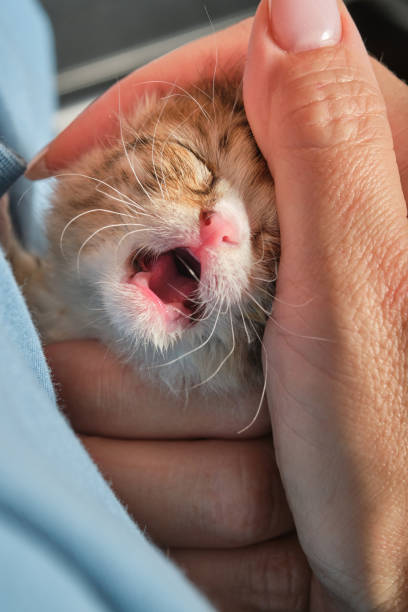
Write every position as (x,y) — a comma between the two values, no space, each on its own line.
(164,243)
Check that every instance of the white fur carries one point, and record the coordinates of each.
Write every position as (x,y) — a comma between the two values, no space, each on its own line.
(120,315)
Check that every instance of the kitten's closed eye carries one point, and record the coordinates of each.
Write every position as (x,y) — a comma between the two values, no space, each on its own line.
(188,171)
(164,244)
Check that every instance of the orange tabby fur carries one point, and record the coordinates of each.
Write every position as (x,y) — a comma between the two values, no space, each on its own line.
(182,161)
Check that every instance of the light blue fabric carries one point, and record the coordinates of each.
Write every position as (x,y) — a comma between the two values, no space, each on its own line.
(66,543)
(27,103)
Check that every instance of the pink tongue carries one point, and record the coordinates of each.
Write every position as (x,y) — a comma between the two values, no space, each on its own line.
(167,283)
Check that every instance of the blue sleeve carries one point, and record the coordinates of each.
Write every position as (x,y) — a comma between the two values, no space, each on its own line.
(66,543)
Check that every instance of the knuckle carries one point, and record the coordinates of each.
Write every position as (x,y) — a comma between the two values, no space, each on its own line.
(327,107)
(278,578)
(248,504)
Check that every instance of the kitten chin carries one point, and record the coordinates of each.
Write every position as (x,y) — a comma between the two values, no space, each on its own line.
(164,243)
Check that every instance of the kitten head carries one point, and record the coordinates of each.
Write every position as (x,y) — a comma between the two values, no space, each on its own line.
(165,242)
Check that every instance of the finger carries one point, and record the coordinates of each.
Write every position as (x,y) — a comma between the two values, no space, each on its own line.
(272,576)
(395,93)
(320,120)
(337,371)
(103,396)
(204,493)
(185,65)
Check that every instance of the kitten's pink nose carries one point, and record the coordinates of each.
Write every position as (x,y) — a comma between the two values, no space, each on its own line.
(216,229)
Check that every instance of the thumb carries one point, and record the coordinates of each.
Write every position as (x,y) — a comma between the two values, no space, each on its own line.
(319,118)
(334,377)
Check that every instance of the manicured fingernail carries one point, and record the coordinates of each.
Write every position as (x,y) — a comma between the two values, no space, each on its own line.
(37,168)
(301,25)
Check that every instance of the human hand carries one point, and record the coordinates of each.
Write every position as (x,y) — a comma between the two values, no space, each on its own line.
(270,574)
(337,344)
(211,498)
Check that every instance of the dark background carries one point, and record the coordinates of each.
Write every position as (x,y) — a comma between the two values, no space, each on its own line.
(93,30)
(88,29)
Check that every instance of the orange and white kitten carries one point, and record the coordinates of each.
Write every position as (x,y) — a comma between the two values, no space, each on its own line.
(164,243)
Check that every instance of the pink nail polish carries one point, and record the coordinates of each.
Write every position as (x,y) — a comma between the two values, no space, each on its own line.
(301,25)
(37,168)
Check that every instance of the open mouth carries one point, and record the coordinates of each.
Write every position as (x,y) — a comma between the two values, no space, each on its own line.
(170,280)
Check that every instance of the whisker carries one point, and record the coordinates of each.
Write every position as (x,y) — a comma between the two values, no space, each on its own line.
(140,250)
(277,299)
(151,229)
(23,195)
(193,274)
(100,230)
(153,145)
(96,180)
(140,210)
(243,321)
(202,91)
(197,348)
(266,292)
(303,337)
(190,299)
(127,154)
(257,413)
(87,212)
(128,201)
(263,251)
(216,55)
(284,329)
(302,305)
(230,122)
(165,143)
(191,316)
(257,303)
(203,382)
(264,280)
(184,295)
(273,297)
(126,235)
(188,94)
